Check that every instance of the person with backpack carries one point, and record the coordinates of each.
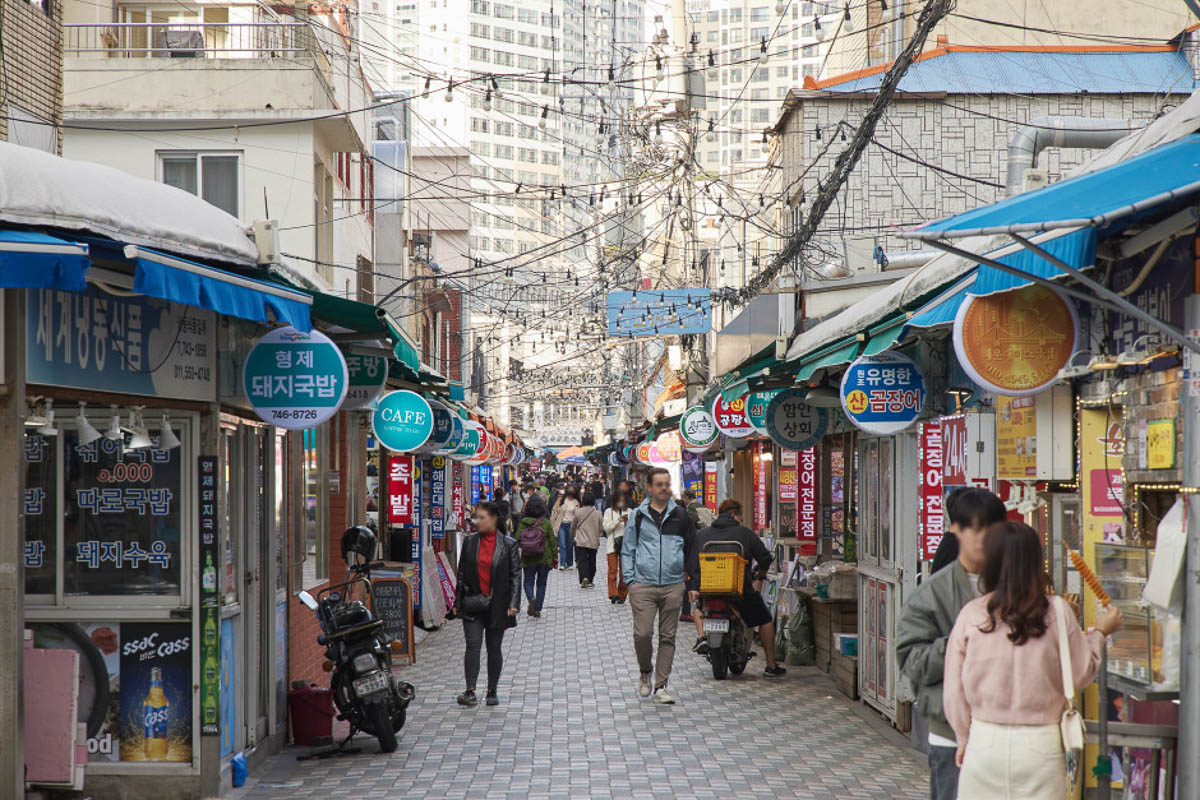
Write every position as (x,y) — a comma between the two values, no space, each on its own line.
(586,529)
(615,518)
(539,551)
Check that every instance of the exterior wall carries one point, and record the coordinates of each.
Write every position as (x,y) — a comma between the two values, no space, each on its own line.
(32,67)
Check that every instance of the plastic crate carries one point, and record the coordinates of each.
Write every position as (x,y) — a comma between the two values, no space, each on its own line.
(722,573)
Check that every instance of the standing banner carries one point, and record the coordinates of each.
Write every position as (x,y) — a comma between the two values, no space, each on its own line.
(930,517)
(710,486)
(295,380)
(691,472)
(400,490)
(806,505)
(761,474)
(437,499)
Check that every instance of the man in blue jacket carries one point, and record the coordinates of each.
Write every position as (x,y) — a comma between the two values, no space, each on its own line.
(659,539)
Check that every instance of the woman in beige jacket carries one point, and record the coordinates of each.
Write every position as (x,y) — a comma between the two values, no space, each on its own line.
(561,517)
(586,529)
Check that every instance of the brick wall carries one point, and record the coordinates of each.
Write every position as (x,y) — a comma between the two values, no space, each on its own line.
(32,55)
(448,302)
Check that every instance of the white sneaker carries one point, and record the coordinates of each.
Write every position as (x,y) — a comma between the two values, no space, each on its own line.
(645,686)
(661,697)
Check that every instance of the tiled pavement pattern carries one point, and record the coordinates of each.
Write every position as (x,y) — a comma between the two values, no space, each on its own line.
(572,726)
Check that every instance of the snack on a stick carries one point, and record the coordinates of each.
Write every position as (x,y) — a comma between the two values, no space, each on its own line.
(1089,578)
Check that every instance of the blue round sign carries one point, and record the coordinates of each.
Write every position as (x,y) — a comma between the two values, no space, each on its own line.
(792,423)
(402,421)
(295,380)
(883,393)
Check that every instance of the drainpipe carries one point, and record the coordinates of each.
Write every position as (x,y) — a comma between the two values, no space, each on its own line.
(1083,132)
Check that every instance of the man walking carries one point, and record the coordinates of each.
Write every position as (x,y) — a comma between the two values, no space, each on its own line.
(926,621)
(658,543)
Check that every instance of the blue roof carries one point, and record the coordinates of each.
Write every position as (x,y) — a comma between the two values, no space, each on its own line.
(1040,72)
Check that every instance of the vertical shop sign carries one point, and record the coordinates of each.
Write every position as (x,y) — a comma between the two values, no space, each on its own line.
(788,479)
(1102,446)
(761,474)
(437,499)
(475,485)
(692,473)
(400,490)
(930,517)
(456,497)
(710,486)
(1016,438)
(209,611)
(485,481)
(806,505)
(954,450)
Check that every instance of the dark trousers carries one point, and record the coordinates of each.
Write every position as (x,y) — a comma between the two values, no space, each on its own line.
(587,563)
(943,773)
(475,632)
(536,574)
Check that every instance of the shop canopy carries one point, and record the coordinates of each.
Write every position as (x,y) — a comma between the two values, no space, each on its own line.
(31,260)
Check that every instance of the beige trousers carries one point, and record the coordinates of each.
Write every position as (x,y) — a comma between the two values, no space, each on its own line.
(645,601)
(1013,762)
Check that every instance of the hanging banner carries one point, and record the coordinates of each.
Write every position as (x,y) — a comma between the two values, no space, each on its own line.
(295,380)
(1016,438)
(761,474)
(485,482)
(457,496)
(437,498)
(210,611)
(710,486)
(400,490)
(402,421)
(930,516)
(731,417)
(788,480)
(691,473)
(475,487)
(368,376)
(697,429)
(883,393)
(1016,342)
(1101,450)
(756,408)
(954,450)
(806,504)
(792,423)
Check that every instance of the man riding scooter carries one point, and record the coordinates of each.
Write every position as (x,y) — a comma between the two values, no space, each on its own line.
(727,527)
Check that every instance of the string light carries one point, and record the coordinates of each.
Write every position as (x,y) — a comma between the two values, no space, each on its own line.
(450,92)
(542,121)
(612,76)
(658,68)
(487,101)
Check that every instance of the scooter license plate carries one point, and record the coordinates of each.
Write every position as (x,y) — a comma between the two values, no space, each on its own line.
(716,626)
(370,684)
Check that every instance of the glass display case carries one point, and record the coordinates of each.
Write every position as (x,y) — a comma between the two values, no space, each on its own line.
(1135,651)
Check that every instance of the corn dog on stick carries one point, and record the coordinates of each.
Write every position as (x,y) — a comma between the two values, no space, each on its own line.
(1089,578)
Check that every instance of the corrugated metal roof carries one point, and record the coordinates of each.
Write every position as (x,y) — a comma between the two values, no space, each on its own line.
(1038,72)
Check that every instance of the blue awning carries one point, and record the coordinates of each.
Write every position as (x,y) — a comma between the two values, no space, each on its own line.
(30,260)
(1077,249)
(182,281)
(1095,199)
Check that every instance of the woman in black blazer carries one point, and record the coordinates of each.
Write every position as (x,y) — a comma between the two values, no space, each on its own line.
(487,597)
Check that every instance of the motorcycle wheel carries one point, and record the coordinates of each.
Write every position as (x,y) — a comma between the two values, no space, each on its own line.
(720,663)
(737,668)
(398,719)
(380,721)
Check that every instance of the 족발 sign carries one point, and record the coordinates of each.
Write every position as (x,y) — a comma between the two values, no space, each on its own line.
(756,408)
(731,417)
(400,490)
(792,423)
(368,375)
(883,393)
(697,429)
(402,421)
(295,380)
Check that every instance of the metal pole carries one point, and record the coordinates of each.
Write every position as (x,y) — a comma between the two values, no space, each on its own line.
(1188,758)
(1103,779)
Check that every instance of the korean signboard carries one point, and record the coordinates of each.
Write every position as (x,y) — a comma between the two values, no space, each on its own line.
(658,312)
(210,612)
(1016,438)
(788,480)
(697,429)
(437,498)
(794,424)
(402,421)
(930,517)
(367,374)
(883,393)
(485,481)
(41,507)
(400,490)
(457,499)
(134,345)
(295,380)
(476,486)
(447,429)
(691,473)
(710,486)
(731,417)
(756,408)
(761,475)
(806,503)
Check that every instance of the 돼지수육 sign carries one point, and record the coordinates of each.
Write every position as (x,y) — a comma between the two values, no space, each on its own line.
(402,421)
(295,380)
(883,393)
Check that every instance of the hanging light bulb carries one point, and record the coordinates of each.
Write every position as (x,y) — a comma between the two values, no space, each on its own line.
(612,76)
(542,121)
(818,133)
(487,100)
(712,59)
(85,430)
(762,51)
(428,81)
(818,31)
(780,7)
(658,67)
(450,92)
(766,146)
(883,5)
(849,19)
(658,137)
(546,78)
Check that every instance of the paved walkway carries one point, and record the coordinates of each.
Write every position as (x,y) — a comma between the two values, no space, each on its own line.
(572,726)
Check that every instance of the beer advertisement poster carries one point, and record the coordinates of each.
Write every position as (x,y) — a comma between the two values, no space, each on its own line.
(155,718)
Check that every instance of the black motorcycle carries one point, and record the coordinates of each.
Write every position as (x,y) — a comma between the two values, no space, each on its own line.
(358,650)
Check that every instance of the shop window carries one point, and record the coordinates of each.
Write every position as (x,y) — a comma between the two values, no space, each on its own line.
(314,528)
(215,177)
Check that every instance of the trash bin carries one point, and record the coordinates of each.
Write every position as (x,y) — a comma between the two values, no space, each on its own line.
(311,709)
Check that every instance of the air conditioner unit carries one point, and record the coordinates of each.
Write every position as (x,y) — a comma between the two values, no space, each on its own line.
(266,238)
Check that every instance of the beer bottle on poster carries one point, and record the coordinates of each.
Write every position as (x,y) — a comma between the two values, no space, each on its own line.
(156,713)
(210,669)
(210,629)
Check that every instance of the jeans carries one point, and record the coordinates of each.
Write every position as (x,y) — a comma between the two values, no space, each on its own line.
(943,773)
(536,574)
(600,504)
(646,601)
(587,563)
(475,632)
(566,546)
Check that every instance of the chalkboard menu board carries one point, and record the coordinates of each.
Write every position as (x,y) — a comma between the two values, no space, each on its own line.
(393,605)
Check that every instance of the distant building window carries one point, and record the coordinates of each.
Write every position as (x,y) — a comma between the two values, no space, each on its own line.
(215,177)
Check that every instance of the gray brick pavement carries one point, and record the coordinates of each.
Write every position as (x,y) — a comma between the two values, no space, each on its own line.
(571,725)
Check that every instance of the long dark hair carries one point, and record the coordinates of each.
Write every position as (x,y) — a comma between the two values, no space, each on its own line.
(1015,576)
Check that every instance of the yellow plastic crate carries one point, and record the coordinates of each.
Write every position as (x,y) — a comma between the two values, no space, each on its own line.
(722,573)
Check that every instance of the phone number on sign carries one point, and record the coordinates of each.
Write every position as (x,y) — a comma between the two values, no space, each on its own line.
(294,413)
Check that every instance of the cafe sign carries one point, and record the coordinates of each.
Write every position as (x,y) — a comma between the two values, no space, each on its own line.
(402,421)
(295,380)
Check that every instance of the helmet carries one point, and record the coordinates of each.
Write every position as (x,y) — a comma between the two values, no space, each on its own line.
(358,540)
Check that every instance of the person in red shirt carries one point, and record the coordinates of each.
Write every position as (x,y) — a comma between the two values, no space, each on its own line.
(487,598)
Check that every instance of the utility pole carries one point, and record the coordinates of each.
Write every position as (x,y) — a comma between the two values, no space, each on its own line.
(12,553)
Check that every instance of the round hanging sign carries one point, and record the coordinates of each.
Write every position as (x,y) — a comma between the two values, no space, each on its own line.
(481,450)
(451,426)
(368,376)
(402,421)
(669,446)
(628,453)
(612,459)
(883,393)
(731,417)
(470,441)
(295,380)
(792,423)
(1014,343)
(643,452)
(697,429)
(756,408)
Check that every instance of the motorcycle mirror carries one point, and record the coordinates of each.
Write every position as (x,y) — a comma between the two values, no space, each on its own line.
(308,600)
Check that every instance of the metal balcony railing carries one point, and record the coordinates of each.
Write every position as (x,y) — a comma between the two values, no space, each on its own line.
(188,40)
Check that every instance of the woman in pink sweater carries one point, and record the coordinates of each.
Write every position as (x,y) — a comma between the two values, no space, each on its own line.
(1003,689)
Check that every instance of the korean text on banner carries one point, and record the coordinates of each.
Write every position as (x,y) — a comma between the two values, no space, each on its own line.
(400,490)
(806,513)
(930,516)
(710,486)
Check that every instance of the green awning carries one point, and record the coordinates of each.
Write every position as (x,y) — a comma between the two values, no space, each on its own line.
(735,390)
(736,382)
(842,352)
(884,335)
(665,424)
(349,314)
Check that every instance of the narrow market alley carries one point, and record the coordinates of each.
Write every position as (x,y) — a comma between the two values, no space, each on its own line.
(571,725)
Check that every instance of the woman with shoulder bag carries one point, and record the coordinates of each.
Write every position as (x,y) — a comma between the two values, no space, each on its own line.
(539,551)
(586,530)
(1006,661)
(488,595)
(616,516)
